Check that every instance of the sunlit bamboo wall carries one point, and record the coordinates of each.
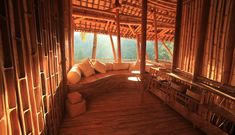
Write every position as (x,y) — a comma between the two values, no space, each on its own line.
(217,37)
(190,26)
(206,44)
(31,92)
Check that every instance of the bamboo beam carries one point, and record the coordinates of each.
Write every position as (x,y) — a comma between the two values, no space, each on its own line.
(155,37)
(109,16)
(94,46)
(118,37)
(167,48)
(143,33)
(113,48)
(132,31)
(177,34)
(160,15)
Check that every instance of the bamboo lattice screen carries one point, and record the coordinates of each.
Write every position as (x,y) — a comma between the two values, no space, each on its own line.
(31,88)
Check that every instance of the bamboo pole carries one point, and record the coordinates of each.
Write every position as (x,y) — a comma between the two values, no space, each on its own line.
(113,48)
(177,34)
(71,35)
(118,37)
(143,33)
(94,46)
(138,47)
(155,37)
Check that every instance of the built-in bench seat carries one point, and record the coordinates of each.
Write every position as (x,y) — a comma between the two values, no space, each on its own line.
(115,77)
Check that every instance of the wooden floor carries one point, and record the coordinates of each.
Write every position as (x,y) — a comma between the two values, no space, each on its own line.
(120,112)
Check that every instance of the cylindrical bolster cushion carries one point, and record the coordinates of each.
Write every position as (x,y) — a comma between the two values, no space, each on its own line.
(74,75)
(75,109)
(74,97)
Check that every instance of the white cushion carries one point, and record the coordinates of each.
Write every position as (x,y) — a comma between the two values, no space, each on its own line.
(86,68)
(99,67)
(74,75)
(121,66)
(109,66)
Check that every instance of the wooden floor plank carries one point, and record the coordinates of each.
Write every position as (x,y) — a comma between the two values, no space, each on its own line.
(121,112)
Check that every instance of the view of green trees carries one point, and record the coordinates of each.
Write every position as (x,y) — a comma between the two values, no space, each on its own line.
(83,43)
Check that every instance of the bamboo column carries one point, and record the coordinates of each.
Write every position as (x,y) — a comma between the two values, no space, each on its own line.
(118,37)
(71,34)
(143,41)
(177,34)
(113,48)
(62,42)
(155,37)
(94,46)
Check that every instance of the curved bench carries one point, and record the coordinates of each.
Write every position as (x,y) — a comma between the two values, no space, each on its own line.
(103,82)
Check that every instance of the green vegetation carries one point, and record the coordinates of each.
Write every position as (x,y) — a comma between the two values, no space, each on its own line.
(83,44)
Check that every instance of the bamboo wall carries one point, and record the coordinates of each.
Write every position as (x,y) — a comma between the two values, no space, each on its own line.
(31,58)
(206,42)
(190,26)
(216,39)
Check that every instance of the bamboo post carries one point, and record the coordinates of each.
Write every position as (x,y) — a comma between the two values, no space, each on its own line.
(71,34)
(155,37)
(113,48)
(94,46)
(118,37)
(62,43)
(177,33)
(143,41)
(138,47)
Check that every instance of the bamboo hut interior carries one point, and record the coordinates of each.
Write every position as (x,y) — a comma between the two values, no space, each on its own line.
(44,89)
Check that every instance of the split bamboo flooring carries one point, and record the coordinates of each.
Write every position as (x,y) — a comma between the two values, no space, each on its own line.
(120,112)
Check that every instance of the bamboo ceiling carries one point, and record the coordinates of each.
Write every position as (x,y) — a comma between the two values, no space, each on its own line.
(99,16)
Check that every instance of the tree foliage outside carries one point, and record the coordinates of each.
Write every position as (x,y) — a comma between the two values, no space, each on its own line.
(83,48)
